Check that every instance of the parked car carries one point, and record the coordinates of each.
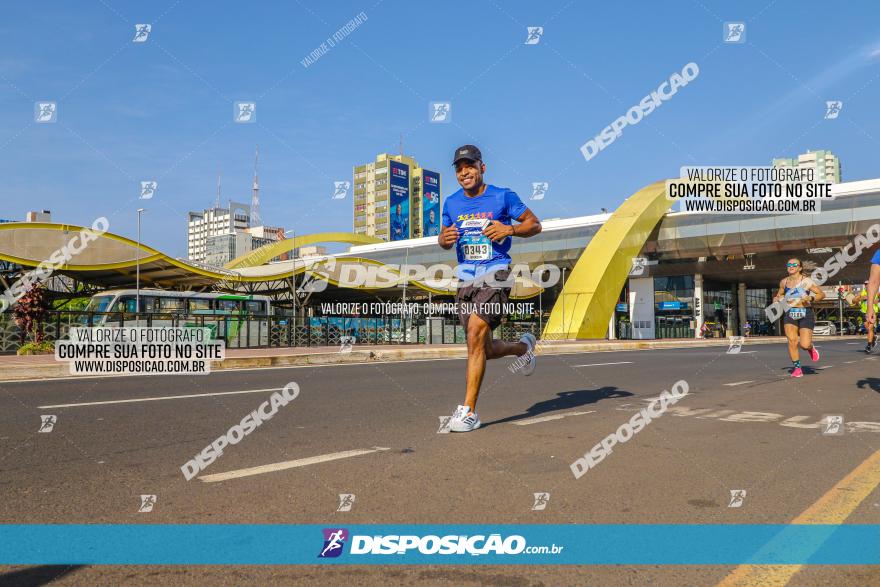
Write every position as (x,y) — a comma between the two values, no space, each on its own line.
(824,328)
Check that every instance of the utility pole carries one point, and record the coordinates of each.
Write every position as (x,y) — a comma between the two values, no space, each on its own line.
(137,306)
(256,220)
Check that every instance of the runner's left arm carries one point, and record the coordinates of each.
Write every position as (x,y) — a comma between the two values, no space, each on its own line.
(873,286)
(529,225)
(818,294)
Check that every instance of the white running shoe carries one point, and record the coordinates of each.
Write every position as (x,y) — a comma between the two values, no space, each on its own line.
(528,358)
(463,420)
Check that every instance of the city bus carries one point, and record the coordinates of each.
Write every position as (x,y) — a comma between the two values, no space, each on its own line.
(241,320)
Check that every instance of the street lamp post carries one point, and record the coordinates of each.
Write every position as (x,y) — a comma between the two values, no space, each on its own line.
(293,282)
(137,303)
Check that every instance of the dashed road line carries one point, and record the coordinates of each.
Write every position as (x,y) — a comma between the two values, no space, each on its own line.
(602,364)
(155,399)
(259,470)
(553,417)
(735,383)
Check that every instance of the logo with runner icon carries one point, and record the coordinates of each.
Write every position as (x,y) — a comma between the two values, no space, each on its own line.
(47,423)
(334,541)
(346,501)
(737,497)
(736,343)
(541,501)
(832,425)
(148,502)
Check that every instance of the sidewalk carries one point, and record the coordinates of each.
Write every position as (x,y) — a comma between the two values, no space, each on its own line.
(16,368)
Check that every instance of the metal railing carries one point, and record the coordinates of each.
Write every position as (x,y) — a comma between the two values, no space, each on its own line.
(259,331)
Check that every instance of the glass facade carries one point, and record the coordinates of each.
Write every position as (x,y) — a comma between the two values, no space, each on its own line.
(674,306)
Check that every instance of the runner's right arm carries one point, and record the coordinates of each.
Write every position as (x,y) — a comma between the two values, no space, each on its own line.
(448,236)
(781,293)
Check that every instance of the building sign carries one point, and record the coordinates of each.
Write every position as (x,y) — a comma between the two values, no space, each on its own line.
(399,201)
(430,203)
(670,306)
(621,307)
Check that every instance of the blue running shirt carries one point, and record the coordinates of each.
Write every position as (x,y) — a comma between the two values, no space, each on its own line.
(476,253)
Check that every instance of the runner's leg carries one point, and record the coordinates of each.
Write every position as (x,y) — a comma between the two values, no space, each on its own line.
(791,333)
(495,349)
(478,335)
(807,344)
(806,338)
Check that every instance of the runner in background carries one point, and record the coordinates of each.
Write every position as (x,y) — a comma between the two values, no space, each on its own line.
(869,327)
(873,286)
(799,293)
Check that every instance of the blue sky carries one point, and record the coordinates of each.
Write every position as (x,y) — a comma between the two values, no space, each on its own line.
(163,109)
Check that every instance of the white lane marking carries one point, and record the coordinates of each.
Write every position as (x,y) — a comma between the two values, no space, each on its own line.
(553,417)
(155,399)
(823,367)
(744,353)
(735,383)
(601,364)
(853,343)
(848,362)
(288,464)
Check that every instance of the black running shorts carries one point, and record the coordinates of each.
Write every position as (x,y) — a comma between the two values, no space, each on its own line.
(808,321)
(485,301)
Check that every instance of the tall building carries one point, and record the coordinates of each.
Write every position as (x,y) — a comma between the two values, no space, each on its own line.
(825,164)
(396,199)
(214,221)
(223,248)
(220,249)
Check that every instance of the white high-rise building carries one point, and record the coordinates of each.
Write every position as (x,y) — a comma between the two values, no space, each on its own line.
(825,164)
(214,221)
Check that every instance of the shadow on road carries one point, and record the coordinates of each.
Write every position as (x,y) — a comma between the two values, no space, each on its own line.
(565,400)
(35,576)
(870,382)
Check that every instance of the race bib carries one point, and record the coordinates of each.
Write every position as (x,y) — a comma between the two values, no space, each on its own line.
(797,313)
(475,246)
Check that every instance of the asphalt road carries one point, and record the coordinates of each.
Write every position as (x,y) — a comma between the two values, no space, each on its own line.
(744,425)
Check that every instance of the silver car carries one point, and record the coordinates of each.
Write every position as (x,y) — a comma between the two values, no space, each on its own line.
(824,328)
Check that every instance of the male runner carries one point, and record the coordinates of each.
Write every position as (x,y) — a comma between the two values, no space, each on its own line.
(478,221)
(863,306)
(873,286)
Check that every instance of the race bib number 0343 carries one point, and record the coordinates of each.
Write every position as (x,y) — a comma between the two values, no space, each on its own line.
(475,246)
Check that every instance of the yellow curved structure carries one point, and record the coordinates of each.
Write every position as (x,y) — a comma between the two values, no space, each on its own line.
(591,291)
(263,254)
(112,260)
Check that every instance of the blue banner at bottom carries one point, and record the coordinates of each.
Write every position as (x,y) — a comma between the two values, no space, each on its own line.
(272,544)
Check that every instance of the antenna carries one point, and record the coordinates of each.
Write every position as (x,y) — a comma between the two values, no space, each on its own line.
(217,203)
(255,199)
(401,144)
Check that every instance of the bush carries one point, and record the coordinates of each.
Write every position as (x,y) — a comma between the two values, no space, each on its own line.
(37,348)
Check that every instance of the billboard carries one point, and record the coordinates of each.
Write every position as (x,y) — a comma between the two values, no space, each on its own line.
(430,203)
(398,214)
